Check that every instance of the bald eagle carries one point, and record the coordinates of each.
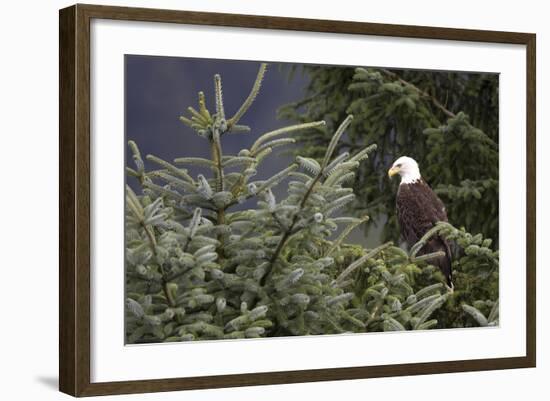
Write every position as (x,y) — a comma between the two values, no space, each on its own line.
(418,210)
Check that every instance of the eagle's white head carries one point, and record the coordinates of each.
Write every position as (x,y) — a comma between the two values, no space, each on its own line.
(407,168)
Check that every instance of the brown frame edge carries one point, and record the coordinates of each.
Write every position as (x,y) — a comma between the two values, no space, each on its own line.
(74,199)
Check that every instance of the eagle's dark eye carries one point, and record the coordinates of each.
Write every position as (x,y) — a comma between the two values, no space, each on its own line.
(398,165)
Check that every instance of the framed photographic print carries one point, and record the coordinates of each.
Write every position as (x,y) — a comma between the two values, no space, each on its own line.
(250,200)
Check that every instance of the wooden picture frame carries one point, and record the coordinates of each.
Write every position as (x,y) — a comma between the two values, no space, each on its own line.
(74,203)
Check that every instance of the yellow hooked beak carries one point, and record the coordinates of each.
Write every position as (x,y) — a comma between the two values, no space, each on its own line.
(393,171)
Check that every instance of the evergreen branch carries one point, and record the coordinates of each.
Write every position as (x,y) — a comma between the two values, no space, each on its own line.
(238,128)
(338,203)
(136,155)
(171,168)
(220,112)
(198,117)
(202,108)
(345,233)
(289,230)
(309,164)
(301,176)
(236,160)
(178,182)
(352,267)
(476,314)
(363,154)
(421,92)
(373,317)
(153,245)
(340,179)
(277,178)
(261,153)
(138,161)
(347,219)
(133,203)
(195,221)
(267,184)
(391,324)
(422,304)
(162,190)
(341,168)
(132,172)
(147,280)
(216,148)
(333,164)
(250,99)
(217,158)
(285,130)
(430,233)
(335,138)
(196,161)
(353,320)
(427,257)
(427,325)
(150,236)
(436,102)
(429,289)
(429,310)
(276,143)
(188,122)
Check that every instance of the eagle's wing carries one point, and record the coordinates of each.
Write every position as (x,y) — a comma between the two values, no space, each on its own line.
(432,199)
(418,210)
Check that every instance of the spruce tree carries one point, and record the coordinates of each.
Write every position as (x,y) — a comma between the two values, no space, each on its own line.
(447,121)
(200,265)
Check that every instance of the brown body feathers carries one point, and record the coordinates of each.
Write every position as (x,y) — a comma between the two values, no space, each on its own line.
(418,210)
